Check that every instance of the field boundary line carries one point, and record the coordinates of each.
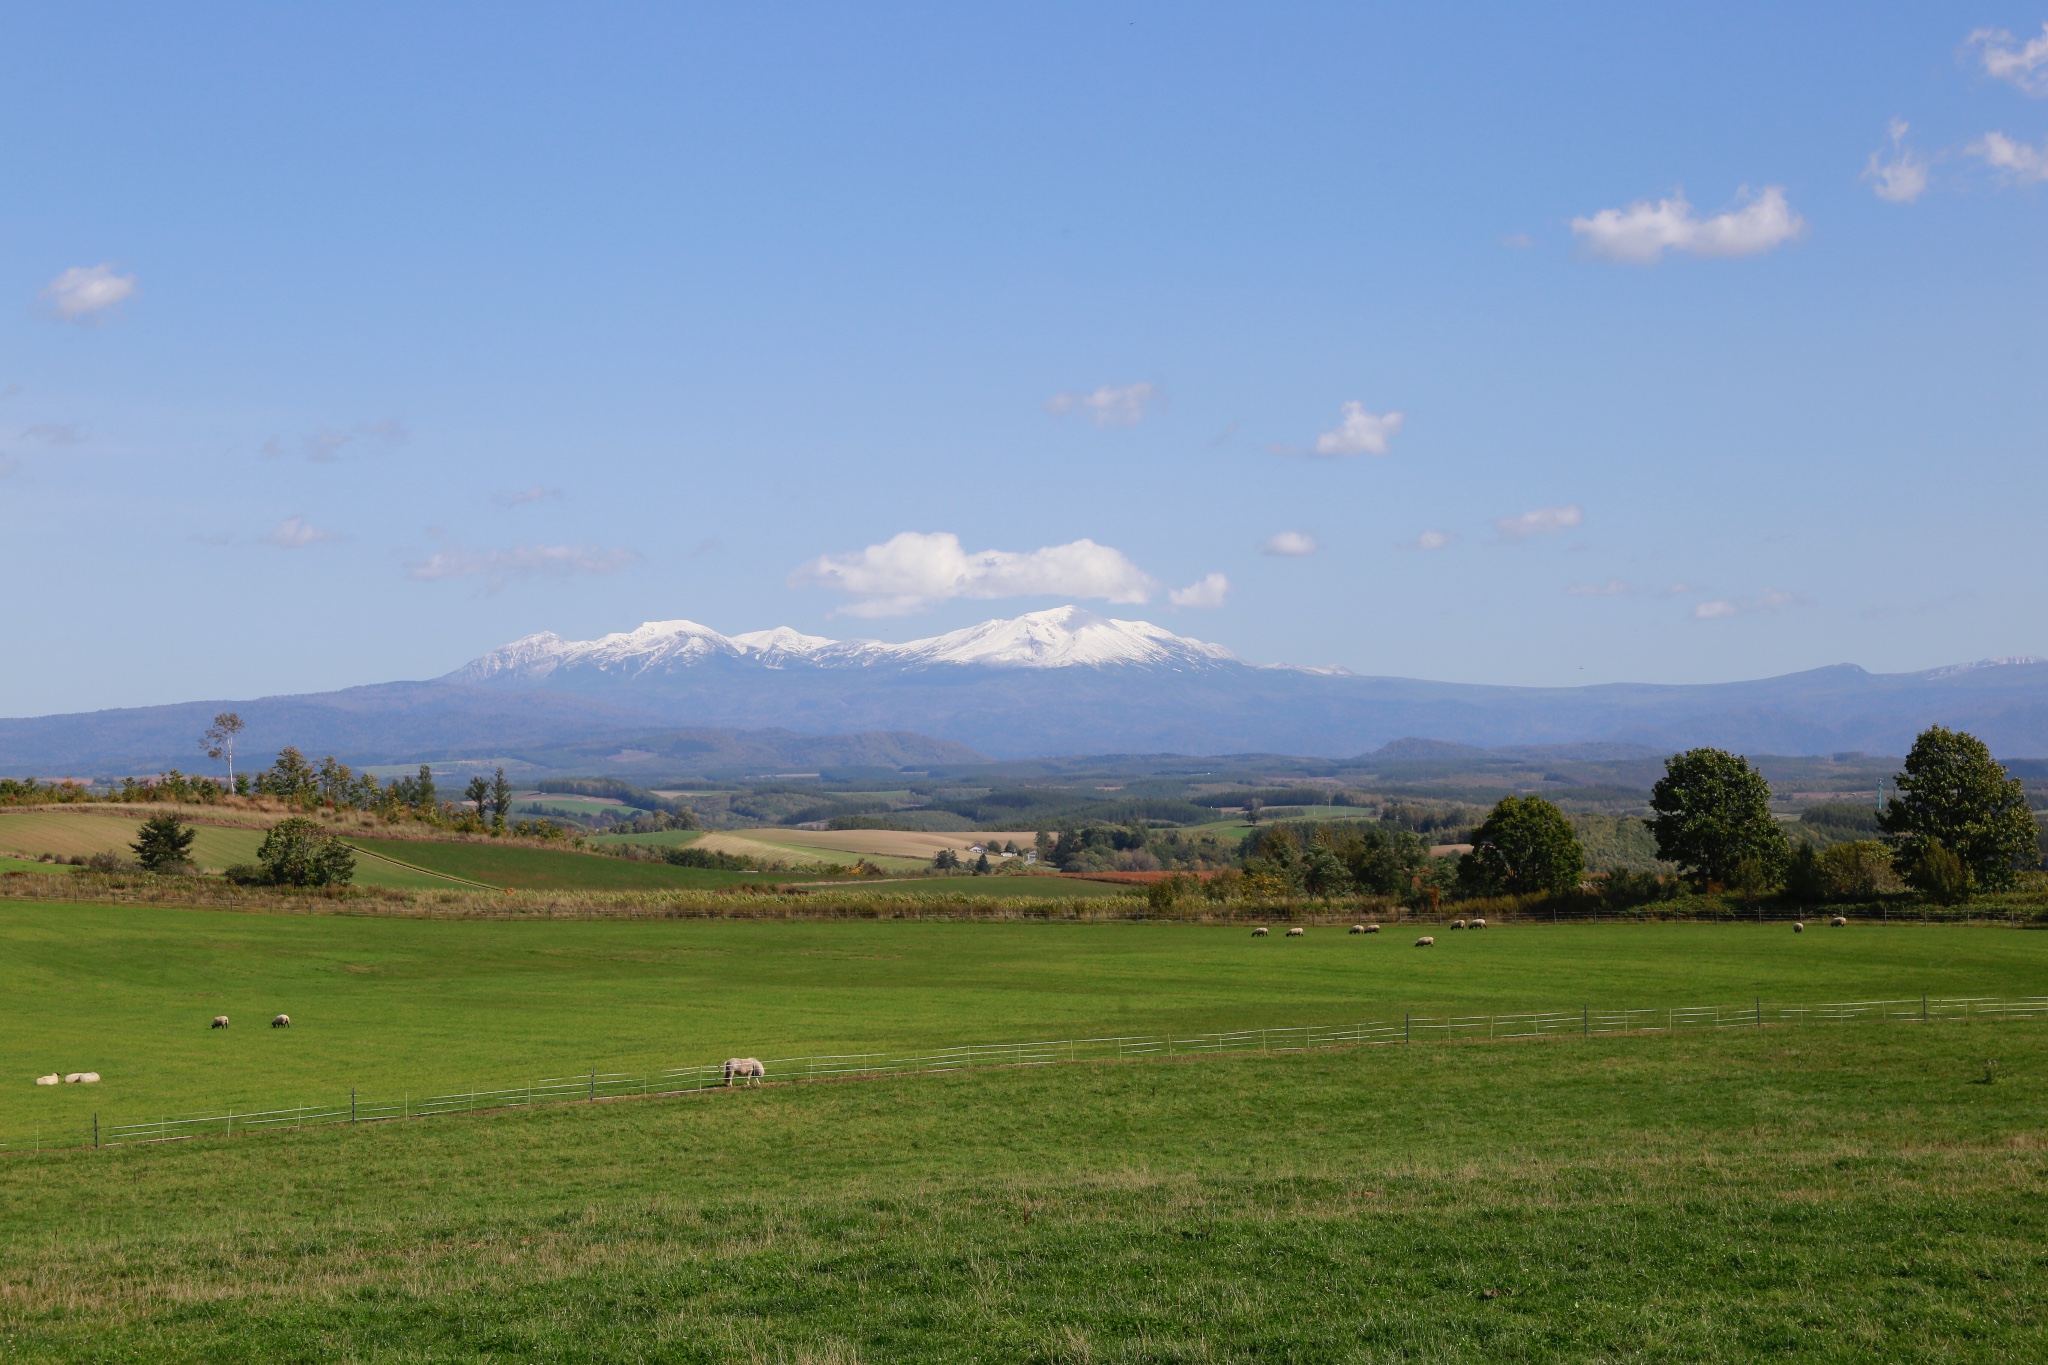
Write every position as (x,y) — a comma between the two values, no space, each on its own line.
(594,1085)
(415,867)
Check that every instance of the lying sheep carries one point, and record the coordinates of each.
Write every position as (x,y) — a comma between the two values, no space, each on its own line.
(50,1079)
(1478,924)
(1296,932)
(282,1021)
(1426,941)
(82,1078)
(220,1021)
(1797,927)
(746,1069)
(1838,921)
(1259,932)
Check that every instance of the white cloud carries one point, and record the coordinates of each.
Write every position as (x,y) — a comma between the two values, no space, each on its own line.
(2024,164)
(1902,179)
(914,571)
(83,292)
(1721,608)
(1430,540)
(295,533)
(1208,593)
(1109,405)
(1361,432)
(521,561)
(2024,66)
(1540,521)
(1292,544)
(53,434)
(526,495)
(328,442)
(1520,241)
(1613,587)
(1643,231)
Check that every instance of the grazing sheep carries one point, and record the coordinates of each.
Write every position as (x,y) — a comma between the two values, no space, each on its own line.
(1797,927)
(1478,924)
(746,1069)
(220,1021)
(282,1021)
(1358,928)
(1296,932)
(1259,932)
(1457,924)
(1372,928)
(50,1079)
(1838,921)
(1426,941)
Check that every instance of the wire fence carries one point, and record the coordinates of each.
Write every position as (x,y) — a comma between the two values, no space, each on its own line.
(1413,1028)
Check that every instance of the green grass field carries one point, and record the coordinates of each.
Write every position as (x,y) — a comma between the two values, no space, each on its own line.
(393,1006)
(503,865)
(1841,1193)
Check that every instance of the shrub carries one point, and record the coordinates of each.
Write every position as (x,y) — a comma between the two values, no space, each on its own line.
(298,852)
(248,874)
(164,845)
(1939,875)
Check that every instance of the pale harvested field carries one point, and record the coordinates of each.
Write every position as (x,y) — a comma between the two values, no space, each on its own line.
(893,843)
(79,834)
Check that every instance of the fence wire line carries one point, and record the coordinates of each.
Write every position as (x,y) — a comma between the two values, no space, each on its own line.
(594,1085)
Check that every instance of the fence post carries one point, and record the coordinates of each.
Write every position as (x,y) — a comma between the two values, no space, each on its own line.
(593,1083)
(351,1104)
(1923,1007)
(95,1129)
(1759,1011)
(1408,1027)
(1585,1021)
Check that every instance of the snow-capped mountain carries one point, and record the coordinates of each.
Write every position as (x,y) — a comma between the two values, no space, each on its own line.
(1063,637)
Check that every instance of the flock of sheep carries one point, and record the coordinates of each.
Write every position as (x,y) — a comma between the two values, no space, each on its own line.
(1426,941)
(92,1077)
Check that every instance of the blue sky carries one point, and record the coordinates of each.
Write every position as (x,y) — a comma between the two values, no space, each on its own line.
(1489,343)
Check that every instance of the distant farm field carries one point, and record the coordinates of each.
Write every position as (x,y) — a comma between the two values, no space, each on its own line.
(512,865)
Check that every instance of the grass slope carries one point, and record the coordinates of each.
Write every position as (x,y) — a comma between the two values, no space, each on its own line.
(547,869)
(1821,1194)
(68,834)
(404,1005)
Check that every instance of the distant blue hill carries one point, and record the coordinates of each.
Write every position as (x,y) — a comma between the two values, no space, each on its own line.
(679,696)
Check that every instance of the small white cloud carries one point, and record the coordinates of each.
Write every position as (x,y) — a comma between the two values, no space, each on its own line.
(1902,179)
(2021,163)
(295,533)
(83,292)
(1207,594)
(1520,241)
(1430,540)
(1643,232)
(521,561)
(1613,587)
(2025,66)
(1675,590)
(914,571)
(53,434)
(1361,432)
(1110,405)
(1721,608)
(328,443)
(526,495)
(1290,544)
(1540,521)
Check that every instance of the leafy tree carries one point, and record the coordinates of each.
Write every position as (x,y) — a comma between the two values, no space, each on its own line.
(1953,793)
(290,777)
(219,741)
(479,792)
(1939,875)
(299,853)
(164,845)
(945,860)
(501,801)
(1714,811)
(1525,845)
(981,866)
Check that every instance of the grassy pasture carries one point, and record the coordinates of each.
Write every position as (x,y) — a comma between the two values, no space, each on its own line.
(406,1005)
(67,834)
(1827,1194)
(511,865)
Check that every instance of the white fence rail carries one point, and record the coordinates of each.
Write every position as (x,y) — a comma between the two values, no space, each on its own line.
(1415,1028)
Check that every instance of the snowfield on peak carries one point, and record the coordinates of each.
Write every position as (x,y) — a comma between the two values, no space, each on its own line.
(1062,637)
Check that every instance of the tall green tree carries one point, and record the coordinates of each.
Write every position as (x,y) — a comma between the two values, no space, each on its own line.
(501,800)
(1714,814)
(1524,846)
(163,844)
(1955,794)
(478,791)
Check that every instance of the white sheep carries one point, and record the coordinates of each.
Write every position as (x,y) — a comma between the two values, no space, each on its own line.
(1372,928)
(1259,932)
(1838,921)
(1358,928)
(50,1079)
(282,1021)
(220,1021)
(1296,932)
(1426,941)
(746,1069)
(1797,927)
(1457,924)
(82,1078)
(1478,924)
